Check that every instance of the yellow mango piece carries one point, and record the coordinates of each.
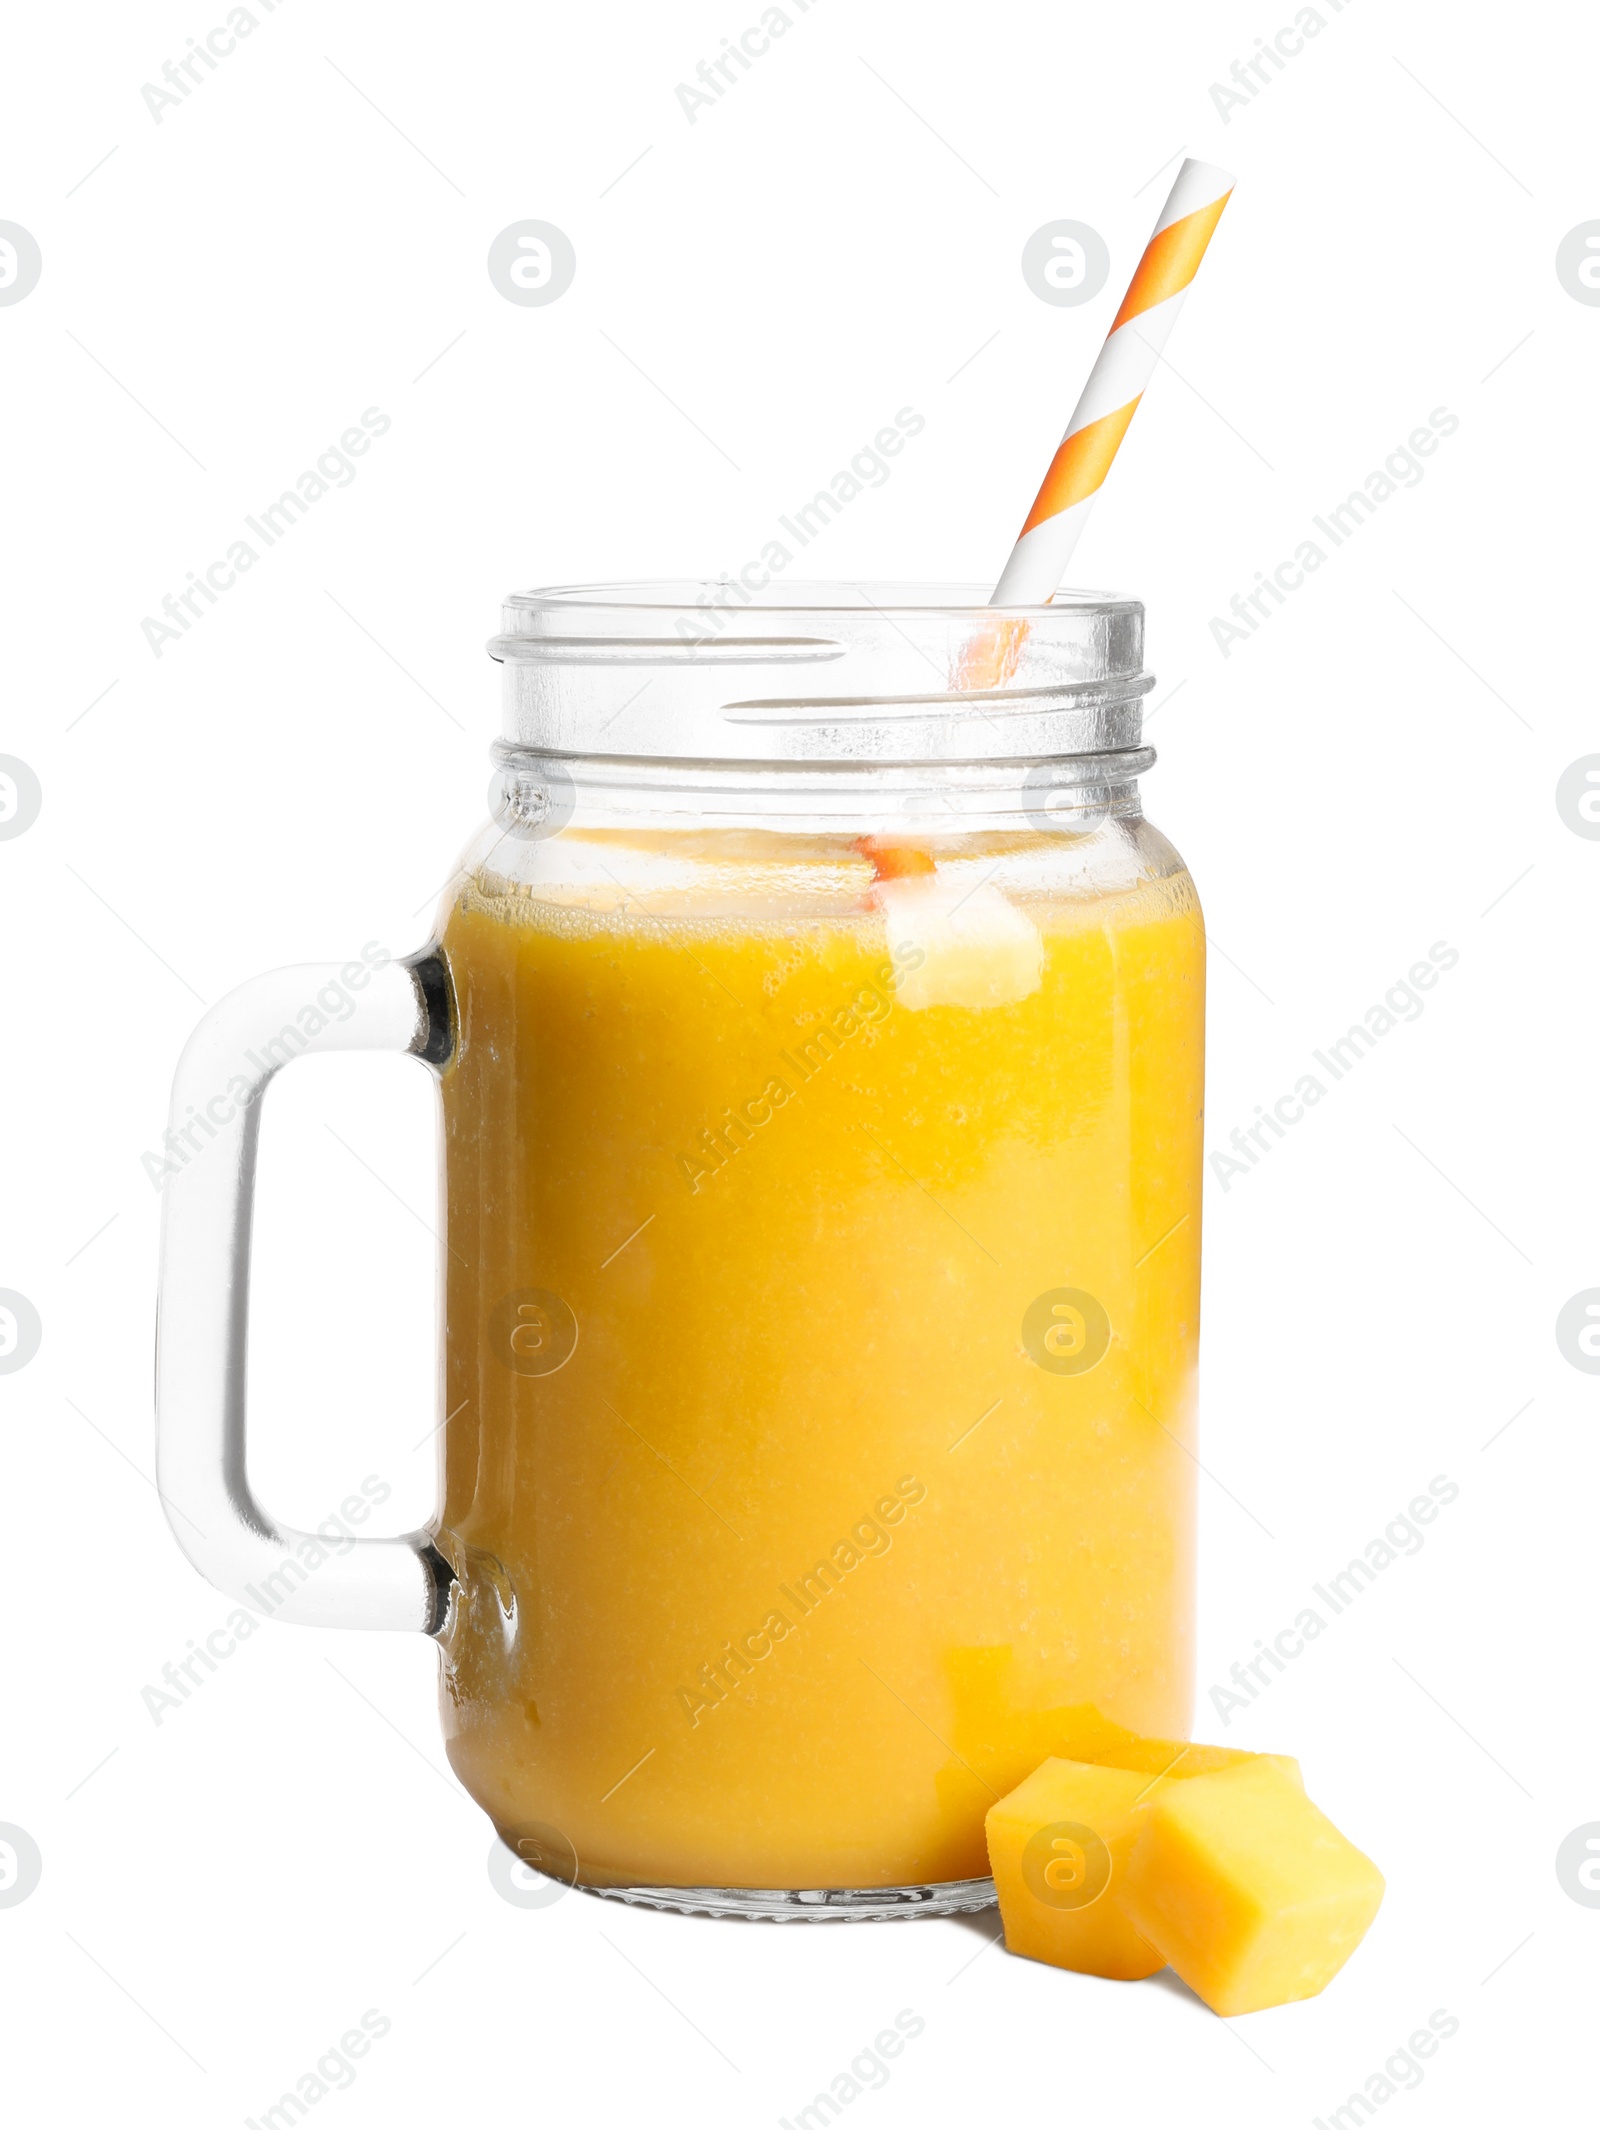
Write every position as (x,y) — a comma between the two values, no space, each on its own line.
(976,947)
(1246,1889)
(1180,1758)
(1060,1843)
(1057,1845)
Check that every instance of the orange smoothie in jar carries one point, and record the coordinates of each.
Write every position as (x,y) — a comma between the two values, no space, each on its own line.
(822,1293)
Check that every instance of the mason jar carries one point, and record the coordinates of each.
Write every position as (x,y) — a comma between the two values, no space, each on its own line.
(818,1026)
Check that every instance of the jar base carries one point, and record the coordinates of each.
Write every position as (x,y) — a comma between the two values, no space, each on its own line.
(825,1904)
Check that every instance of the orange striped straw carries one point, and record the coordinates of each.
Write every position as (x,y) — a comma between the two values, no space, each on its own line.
(1116,384)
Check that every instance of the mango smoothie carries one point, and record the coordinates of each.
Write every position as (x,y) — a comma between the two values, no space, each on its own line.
(822,1312)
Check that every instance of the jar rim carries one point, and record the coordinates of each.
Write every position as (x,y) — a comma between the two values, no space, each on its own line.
(714,669)
(810,595)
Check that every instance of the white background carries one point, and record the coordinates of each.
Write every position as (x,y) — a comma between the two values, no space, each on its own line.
(226,1891)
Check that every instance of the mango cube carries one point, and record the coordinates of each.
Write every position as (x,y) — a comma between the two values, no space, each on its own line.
(977,947)
(1177,1759)
(1061,1842)
(1056,1845)
(1246,1889)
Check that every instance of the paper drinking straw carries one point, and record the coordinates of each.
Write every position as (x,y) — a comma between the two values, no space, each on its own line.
(1116,383)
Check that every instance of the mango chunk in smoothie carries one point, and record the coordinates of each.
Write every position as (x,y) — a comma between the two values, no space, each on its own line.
(958,946)
(1061,1842)
(1246,1889)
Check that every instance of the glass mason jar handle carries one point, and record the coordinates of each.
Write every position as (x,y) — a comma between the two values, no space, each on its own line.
(203,1318)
